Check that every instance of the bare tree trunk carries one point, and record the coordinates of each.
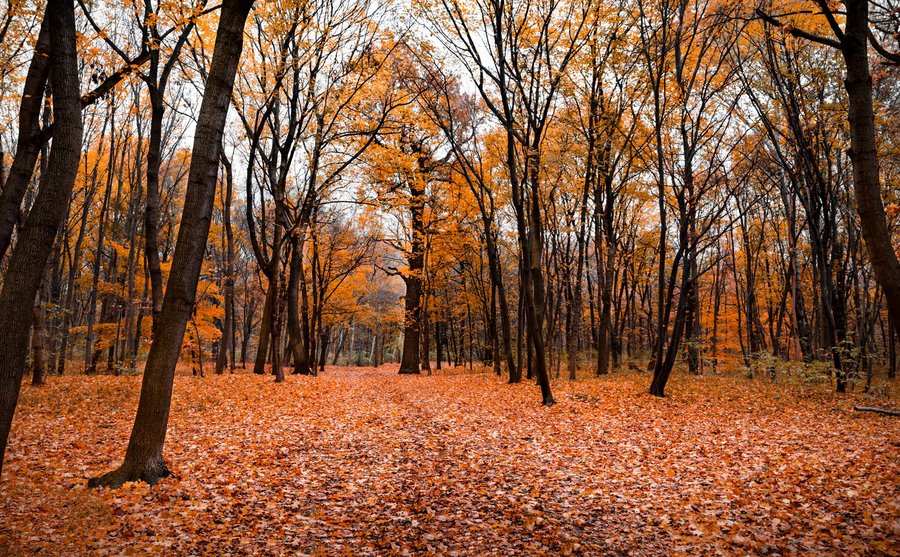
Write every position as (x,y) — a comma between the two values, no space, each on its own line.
(278,321)
(144,457)
(29,258)
(226,345)
(412,323)
(265,327)
(439,342)
(864,154)
(151,213)
(325,339)
(340,346)
(892,348)
(38,337)
(28,143)
(409,361)
(425,337)
(299,341)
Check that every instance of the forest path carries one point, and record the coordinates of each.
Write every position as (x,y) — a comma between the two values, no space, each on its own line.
(363,461)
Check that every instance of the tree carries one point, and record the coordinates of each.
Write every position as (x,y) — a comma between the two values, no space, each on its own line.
(144,457)
(852,41)
(517,53)
(29,258)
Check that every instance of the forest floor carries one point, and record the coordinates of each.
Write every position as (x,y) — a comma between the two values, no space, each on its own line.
(364,462)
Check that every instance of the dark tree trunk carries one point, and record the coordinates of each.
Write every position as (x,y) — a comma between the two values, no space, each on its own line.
(298,341)
(307,343)
(157,78)
(412,320)
(249,310)
(409,361)
(864,155)
(226,345)
(28,142)
(265,327)
(144,456)
(325,337)
(340,346)
(426,340)
(74,265)
(277,328)
(29,258)
(515,372)
(38,338)
(534,283)
(151,213)
(439,342)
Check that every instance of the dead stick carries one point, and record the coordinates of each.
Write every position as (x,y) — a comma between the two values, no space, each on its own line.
(877,410)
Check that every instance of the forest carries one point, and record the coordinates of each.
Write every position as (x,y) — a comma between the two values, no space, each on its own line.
(449,277)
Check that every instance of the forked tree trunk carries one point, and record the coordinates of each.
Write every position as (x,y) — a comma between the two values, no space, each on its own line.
(144,456)
(28,144)
(29,258)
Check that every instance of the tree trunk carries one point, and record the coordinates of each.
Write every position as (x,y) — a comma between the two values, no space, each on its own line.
(144,456)
(265,327)
(38,339)
(409,361)
(226,345)
(515,371)
(28,143)
(325,338)
(412,321)
(340,346)
(438,342)
(29,258)
(534,288)
(151,213)
(864,155)
(298,341)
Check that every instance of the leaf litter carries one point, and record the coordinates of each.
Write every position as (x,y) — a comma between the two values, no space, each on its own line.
(364,462)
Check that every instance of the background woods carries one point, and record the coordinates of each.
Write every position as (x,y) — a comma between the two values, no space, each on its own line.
(538,277)
(543,189)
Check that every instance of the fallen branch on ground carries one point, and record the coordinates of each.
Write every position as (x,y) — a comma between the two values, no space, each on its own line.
(884,411)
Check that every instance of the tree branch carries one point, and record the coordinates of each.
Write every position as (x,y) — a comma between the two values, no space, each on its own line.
(833,43)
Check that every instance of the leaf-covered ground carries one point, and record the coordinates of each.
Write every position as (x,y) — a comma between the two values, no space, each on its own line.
(361,461)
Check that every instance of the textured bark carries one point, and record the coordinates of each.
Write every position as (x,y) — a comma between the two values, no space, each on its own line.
(534,286)
(412,320)
(151,212)
(409,361)
(227,342)
(29,258)
(144,456)
(864,155)
(325,337)
(265,327)
(297,339)
(38,340)
(28,141)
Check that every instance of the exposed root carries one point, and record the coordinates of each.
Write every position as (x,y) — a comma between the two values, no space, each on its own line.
(151,473)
